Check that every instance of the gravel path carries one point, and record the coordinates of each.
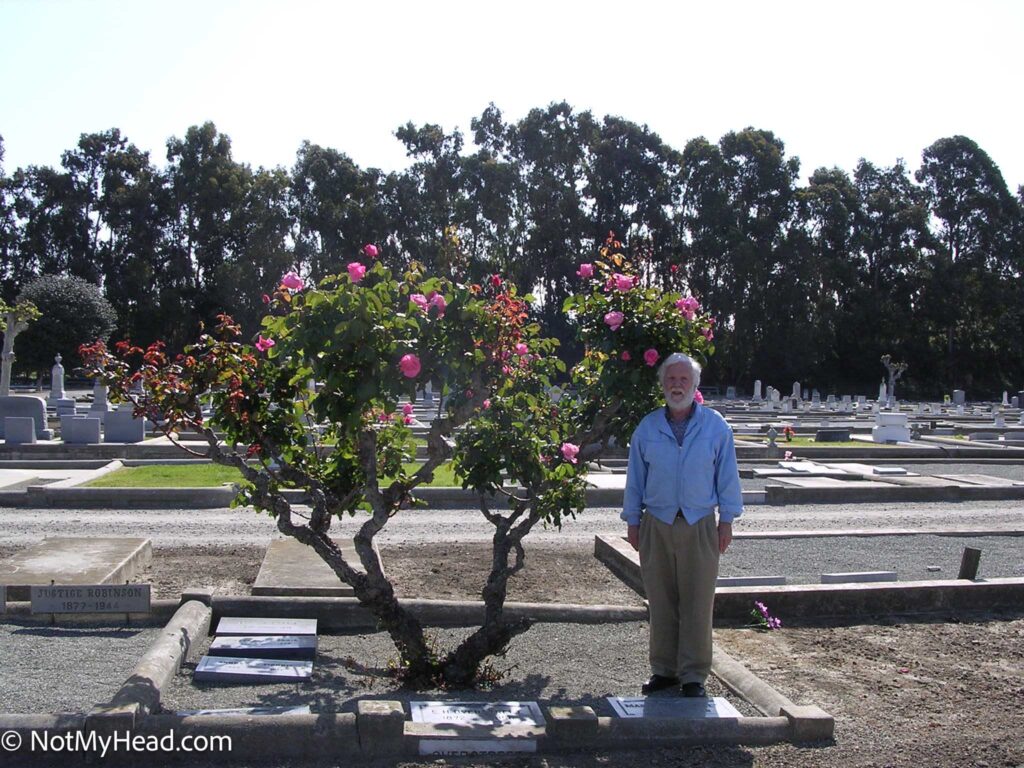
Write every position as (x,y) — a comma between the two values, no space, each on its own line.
(90,663)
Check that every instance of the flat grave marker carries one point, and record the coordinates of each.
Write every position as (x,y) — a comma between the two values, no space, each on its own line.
(222,669)
(241,626)
(673,707)
(253,711)
(290,567)
(265,646)
(490,713)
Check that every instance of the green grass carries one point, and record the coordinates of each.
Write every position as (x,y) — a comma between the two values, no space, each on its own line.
(209,476)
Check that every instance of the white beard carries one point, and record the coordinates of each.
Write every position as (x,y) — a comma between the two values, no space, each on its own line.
(680,403)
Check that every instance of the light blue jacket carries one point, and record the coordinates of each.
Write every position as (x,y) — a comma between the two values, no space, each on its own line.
(695,477)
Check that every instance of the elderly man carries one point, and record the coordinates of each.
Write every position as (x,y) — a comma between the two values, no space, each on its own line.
(682,464)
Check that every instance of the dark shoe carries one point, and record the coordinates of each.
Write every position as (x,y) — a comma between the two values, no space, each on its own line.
(658,683)
(693,690)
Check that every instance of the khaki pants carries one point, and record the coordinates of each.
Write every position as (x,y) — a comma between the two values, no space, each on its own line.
(679,565)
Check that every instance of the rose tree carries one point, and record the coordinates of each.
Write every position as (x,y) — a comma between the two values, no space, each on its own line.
(370,338)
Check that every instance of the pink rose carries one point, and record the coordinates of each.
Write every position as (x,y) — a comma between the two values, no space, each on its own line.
(487,403)
(614,320)
(521,349)
(688,307)
(438,300)
(674,268)
(788,456)
(407,409)
(495,281)
(585,271)
(698,397)
(384,417)
(569,452)
(292,281)
(419,300)
(266,299)
(410,366)
(709,334)
(651,357)
(356,271)
(407,420)
(264,344)
(371,250)
(626,356)
(622,282)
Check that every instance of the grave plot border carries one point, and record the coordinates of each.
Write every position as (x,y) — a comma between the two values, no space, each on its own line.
(380,728)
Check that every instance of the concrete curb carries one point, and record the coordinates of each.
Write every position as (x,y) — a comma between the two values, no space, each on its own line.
(733,604)
(783,495)
(260,738)
(140,693)
(339,613)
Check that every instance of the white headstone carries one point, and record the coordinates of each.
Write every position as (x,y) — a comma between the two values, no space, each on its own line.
(1006,399)
(56,382)
(1000,420)
(99,397)
(816,397)
(757,389)
(796,390)
(776,395)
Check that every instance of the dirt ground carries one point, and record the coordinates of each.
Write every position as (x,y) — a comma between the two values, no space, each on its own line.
(940,691)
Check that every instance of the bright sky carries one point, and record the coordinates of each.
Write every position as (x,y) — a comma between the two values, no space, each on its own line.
(836,80)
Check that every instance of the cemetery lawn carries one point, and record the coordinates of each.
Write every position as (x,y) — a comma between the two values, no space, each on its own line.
(210,476)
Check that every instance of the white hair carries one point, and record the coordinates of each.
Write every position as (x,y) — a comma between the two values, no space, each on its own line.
(679,357)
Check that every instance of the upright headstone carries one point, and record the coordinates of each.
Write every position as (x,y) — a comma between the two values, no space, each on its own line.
(862,400)
(816,397)
(428,393)
(1015,402)
(891,427)
(56,382)
(1000,421)
(99,407)
(1006,399)
(730,393)
(960,410)
(776,395)
(757,389)
(806,393)
(796,390)
(1020,399)
(26,405)
(883,395)
(959,397)
(787,405)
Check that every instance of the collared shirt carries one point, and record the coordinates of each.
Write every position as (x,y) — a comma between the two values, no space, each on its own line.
(664,478)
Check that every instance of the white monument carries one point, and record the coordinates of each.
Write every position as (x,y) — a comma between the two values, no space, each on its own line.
(757,389)
(56,382)
(890,428)
(796,390)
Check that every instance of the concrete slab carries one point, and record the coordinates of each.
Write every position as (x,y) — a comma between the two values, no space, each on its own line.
(987,481)
(67,561)
(830,482)
(855,468)
(607,480)
(292,568)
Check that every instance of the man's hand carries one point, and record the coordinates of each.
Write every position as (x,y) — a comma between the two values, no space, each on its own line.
(633,536)
(724,537)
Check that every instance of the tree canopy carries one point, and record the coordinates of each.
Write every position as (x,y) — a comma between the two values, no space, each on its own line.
(809,281)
